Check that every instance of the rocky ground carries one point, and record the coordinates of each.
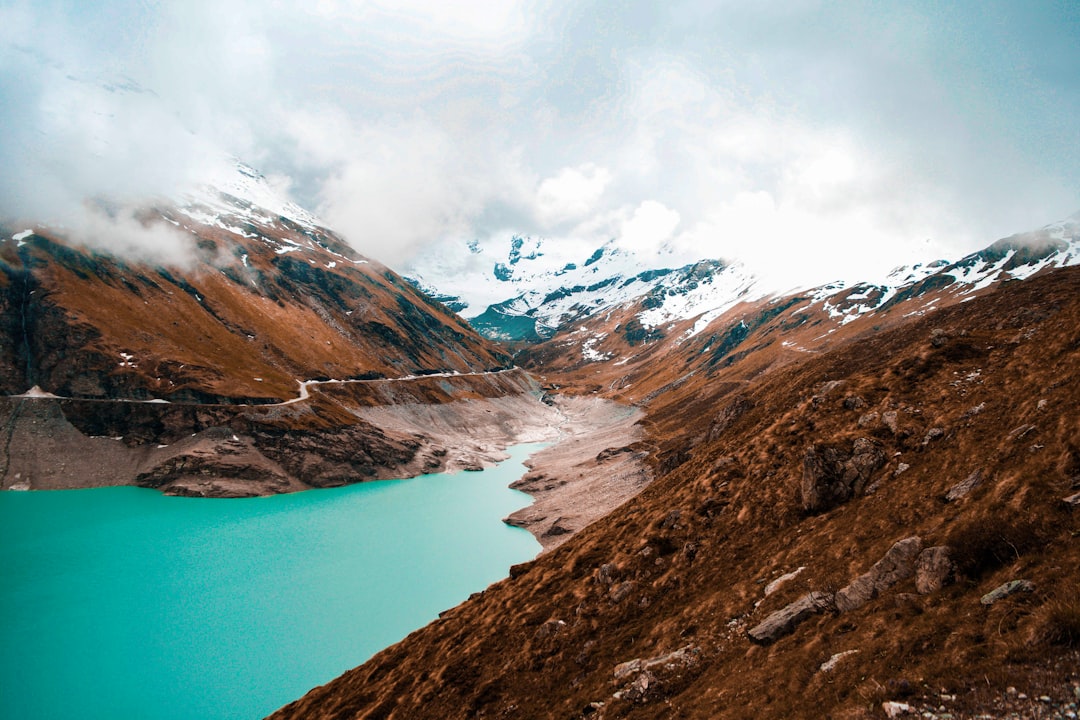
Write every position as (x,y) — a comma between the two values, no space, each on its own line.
(596,463)
(889,527)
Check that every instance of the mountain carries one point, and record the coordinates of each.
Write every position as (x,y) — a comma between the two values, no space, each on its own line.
(865,503)
(247,363)
(532,292)
(265,298)
(532,295)
(884,526)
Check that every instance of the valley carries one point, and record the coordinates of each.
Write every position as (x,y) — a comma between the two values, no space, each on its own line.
(852,497)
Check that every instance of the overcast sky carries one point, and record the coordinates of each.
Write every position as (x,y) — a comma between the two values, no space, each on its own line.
(840,136)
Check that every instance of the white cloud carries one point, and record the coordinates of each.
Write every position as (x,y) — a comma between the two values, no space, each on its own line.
(396,188)
(571,194)
(411,121)
(122,231)
(650,225)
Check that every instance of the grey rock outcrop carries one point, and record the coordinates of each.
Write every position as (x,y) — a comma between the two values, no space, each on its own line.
(1003,591)
(934,569)
(965,486)
(897,564)
(639,676)
(786,619)
(831,477)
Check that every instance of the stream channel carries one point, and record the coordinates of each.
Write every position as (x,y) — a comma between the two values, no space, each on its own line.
(126,603)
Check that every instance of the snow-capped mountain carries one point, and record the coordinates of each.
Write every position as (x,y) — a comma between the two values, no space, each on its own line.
(531,289)
(255,295)
(1013,258)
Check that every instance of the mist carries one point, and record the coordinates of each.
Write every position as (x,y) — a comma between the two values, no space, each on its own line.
(809,141)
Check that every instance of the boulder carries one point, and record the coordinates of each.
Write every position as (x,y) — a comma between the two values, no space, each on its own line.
(934,569)
(1003,591)
(786,619)
(639,676)
(889,418)
(965,486)
(831,477)
(896,565)
(897,709)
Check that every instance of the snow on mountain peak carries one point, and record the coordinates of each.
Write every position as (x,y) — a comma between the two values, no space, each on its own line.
(529,287)
(238,181)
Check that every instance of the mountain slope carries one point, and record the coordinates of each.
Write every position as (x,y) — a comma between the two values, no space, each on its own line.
(616,304)
(265,356)
(953,430)
(263,300)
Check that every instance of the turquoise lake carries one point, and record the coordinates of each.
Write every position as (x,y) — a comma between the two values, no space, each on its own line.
(124,603)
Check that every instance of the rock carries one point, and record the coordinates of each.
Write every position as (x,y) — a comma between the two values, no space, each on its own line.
(671,522)
(934,569)
(556,529)
(1022,431)
(786,619)
(868,419)
(652,673)
(549,628)
(621,591)
(933,434)
(1073,500)
(607,574)
(831,663)
(972,411)
(775,584)
(889,419)
(822,487)
(609,453)
(681,658)
(831,478)
(867,456)
(965,486)
(896,709)
(732,411)
(1004,591)
(901,469)
(897,564)
(854,402)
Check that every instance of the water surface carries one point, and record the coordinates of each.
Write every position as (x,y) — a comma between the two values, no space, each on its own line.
(125,603)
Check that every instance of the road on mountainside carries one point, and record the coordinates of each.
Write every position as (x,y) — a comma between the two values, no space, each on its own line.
(36,393)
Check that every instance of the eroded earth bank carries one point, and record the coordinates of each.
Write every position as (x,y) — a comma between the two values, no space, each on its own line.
(339,433)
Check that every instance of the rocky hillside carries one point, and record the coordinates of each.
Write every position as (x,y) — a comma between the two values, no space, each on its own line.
(248,364)
(263,300)
(616,305)
(623,354)
(882,524)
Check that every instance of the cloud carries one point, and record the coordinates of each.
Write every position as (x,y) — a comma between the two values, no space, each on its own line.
(650,225)
(571,193)
(395,188)
(849,131)
(124,232)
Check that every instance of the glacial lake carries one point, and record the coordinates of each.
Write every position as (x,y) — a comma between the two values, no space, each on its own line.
(125,603)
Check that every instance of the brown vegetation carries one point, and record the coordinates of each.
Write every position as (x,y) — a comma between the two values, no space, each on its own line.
(645,613)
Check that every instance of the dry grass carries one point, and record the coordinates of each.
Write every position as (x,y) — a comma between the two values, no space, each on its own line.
(735,501)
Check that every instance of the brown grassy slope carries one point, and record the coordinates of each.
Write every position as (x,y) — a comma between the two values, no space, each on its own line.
(685,563)
(242,321)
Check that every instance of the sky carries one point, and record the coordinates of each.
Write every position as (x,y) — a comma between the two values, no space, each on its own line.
(808,139)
